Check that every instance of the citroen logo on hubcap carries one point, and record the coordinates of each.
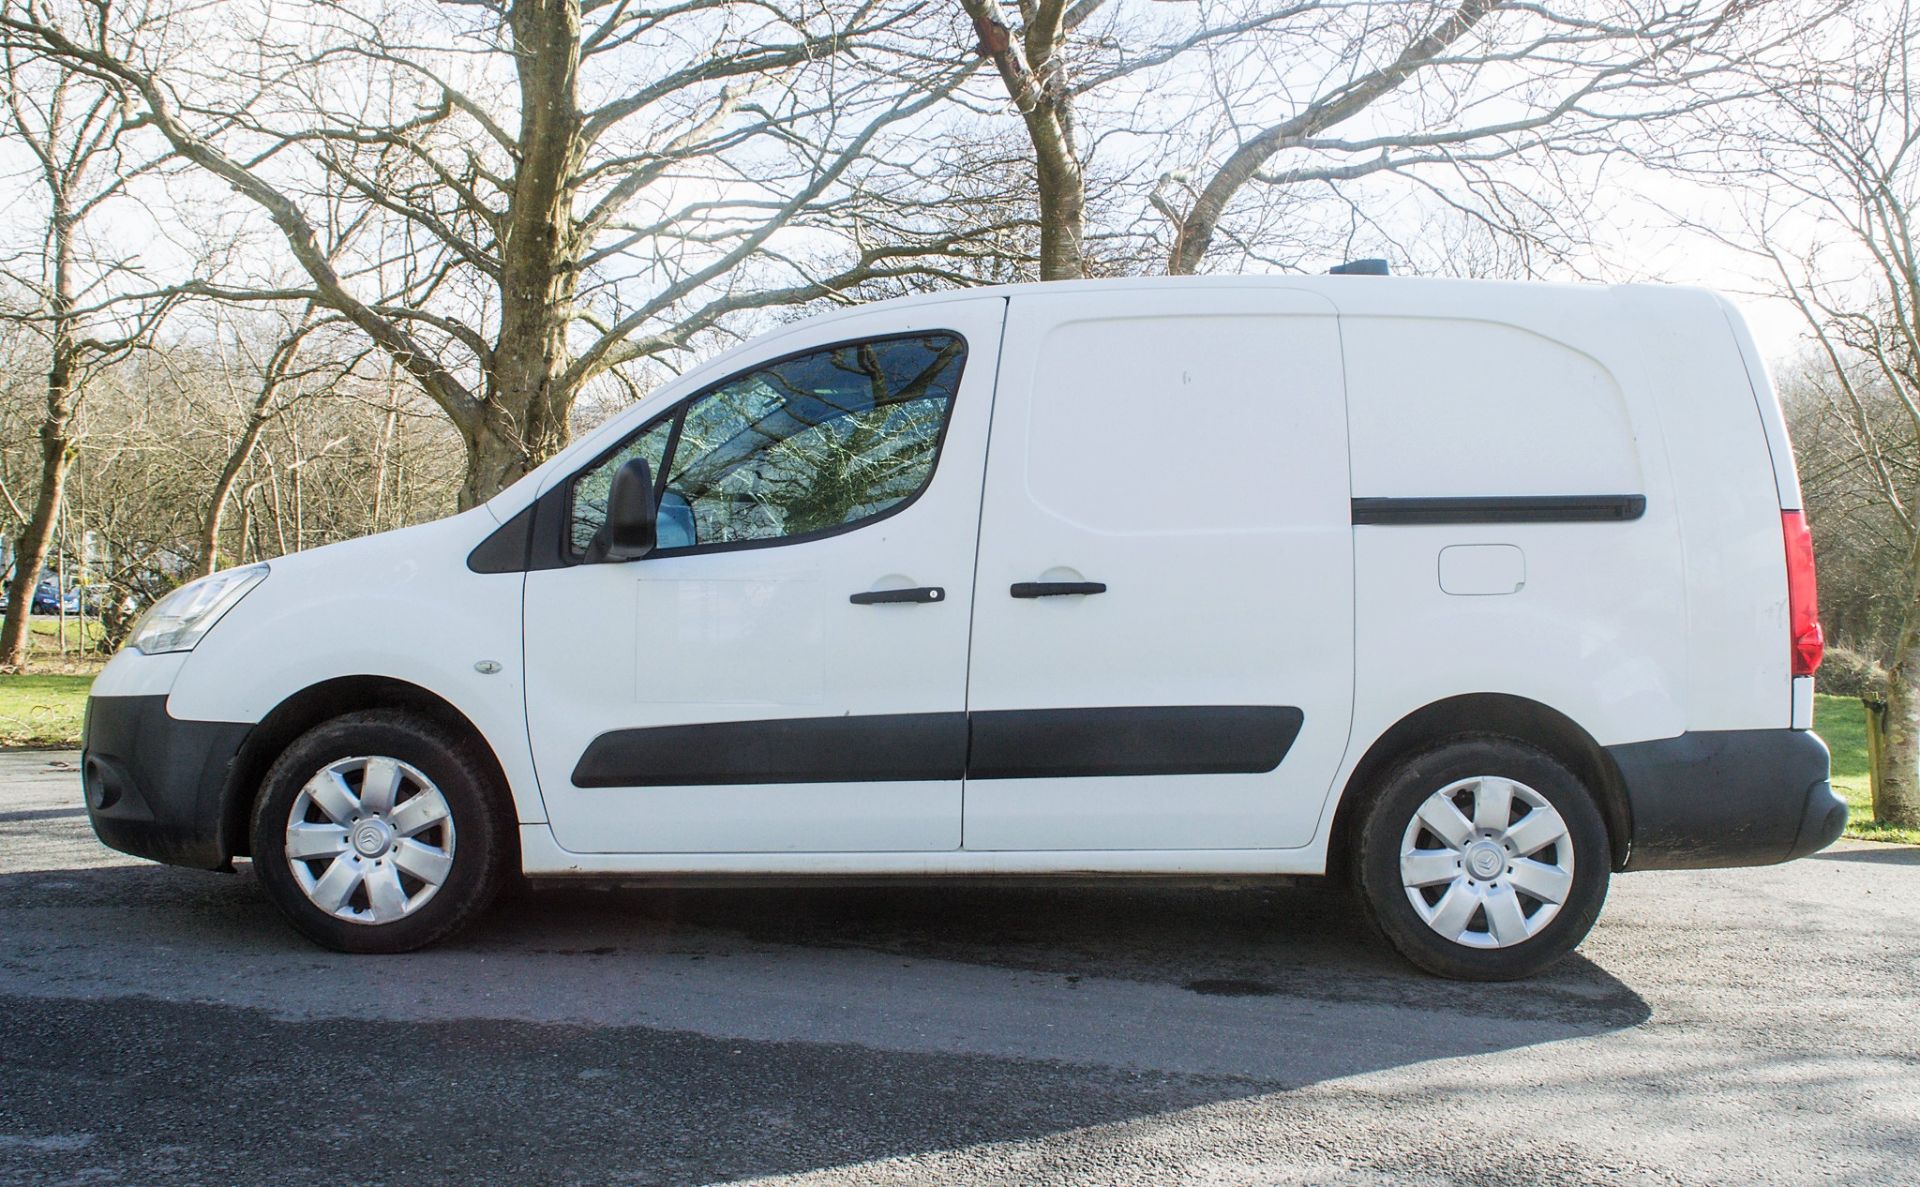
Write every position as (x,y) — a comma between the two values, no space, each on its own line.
(371,837)
(1486,859)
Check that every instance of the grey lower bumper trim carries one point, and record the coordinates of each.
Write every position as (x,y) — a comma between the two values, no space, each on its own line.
(155,784)
(1715,798)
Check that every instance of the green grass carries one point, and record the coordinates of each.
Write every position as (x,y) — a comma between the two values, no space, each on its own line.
(42,710)
(80,656)
(46,630)
(1842,721)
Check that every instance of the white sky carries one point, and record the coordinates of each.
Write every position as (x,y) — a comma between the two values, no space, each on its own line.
(1641,242)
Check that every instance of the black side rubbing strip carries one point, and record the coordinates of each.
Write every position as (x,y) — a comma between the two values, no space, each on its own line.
(880,748)
(1500,509)
(1136,740)
(1006,744)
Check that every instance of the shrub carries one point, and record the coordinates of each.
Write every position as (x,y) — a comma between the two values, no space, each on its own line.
(1849,673)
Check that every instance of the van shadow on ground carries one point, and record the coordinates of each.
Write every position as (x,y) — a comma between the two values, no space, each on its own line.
(1880,854)
(692,1035)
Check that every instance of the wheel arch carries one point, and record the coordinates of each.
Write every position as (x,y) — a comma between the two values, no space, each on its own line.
(1486,713)
(322,702)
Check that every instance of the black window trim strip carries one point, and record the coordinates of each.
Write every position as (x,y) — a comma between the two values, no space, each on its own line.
(1474,509)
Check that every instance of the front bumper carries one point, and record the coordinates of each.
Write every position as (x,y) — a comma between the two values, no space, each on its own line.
(1716,798)
(156,785)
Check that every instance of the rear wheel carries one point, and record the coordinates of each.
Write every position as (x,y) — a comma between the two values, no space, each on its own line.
(376,832)
(1483,859)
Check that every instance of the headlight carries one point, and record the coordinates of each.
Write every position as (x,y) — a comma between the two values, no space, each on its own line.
(180,620)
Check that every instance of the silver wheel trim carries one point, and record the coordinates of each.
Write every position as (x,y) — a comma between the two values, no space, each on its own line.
(369,839)
(1487,862)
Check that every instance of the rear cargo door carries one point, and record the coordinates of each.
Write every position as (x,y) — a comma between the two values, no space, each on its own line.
(1162,653)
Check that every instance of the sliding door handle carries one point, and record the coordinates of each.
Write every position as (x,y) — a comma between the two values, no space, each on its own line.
(918,595)
(1055,589)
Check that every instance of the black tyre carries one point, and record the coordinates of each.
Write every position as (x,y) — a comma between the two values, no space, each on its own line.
(1482,858)
(379,832)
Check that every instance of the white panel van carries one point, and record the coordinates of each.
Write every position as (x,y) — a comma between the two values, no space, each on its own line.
(1472,592)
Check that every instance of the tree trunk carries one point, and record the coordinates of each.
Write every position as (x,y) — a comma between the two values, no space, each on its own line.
(36,538)
(56,445)
(380,464)
(1036,82)
(1876,708)
(208,559)
(524,419)
(1896,798)
(495,461)
(1063,217)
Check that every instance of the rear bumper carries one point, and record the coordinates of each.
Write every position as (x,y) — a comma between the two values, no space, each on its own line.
(1716,798)
(156,785)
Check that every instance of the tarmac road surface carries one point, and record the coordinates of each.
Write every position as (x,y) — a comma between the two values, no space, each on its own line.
(164,1026)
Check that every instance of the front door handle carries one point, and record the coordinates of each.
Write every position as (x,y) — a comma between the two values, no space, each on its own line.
(1055,589)
(917,595)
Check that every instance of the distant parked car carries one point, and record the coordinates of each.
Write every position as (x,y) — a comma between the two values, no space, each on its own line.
(46,597)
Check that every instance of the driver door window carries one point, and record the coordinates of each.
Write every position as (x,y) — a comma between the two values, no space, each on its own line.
(808,446)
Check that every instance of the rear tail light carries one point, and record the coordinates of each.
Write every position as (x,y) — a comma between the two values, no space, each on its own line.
(1803,601)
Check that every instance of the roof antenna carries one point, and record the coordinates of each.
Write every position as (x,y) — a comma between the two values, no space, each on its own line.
(1373,267)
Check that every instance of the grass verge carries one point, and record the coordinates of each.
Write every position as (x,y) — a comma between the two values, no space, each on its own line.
(79,656)
(40,710)
(1842,721)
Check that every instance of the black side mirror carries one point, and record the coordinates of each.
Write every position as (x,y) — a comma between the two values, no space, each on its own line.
(632,517)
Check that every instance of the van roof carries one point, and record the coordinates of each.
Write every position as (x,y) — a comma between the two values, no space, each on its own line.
(1351,293)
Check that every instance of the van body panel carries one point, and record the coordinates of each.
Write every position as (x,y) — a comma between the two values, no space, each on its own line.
(1443,405)
(131,674)
(1712,428)
(1469,401)
(753,643)
(542,857)
(1188,457)
(1767,401)
(401,605)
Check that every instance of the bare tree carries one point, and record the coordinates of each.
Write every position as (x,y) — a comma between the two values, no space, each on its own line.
(1033,70)
(72,292)
(275,374)
(1827,176)
(1860,538)
(1248,109)
(531,193)
(344,445)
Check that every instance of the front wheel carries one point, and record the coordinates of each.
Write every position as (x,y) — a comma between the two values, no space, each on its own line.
(377,832)
(1483,859)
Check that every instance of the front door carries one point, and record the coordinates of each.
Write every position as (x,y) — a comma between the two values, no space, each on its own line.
(786,672)
(1163,618)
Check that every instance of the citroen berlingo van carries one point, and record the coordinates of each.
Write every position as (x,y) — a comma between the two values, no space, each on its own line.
(1472,592)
